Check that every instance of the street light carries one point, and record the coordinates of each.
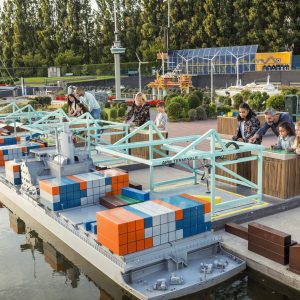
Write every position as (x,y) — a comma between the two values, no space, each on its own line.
(140,73)
(237,65)
(211,75)
(186,62)
(116,50)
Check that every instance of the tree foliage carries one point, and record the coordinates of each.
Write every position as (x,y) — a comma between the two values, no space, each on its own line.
(58,32)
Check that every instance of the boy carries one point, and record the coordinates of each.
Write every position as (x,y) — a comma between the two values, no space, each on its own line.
(161,118)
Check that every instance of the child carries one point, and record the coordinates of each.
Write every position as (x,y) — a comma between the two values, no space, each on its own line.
(296,145)
(161,118)
(248,124)
(286,137)
(81,109)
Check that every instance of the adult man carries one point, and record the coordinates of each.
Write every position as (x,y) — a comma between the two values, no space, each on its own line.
(273,119)
(88,100)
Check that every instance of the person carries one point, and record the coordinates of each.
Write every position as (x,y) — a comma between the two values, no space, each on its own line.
(72,105)
(89,101)
(161,118)
(248,124)
(71,89)
(286,137)
(296,146)
(81,109)
(140,110)
(273,119)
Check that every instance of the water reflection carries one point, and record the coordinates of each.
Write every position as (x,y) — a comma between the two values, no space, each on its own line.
(71,277)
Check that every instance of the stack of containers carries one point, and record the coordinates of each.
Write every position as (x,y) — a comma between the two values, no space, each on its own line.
(77,190)
(13,172)
(119,180)
(152,223)
(12,152)
(122,231)
(9,140)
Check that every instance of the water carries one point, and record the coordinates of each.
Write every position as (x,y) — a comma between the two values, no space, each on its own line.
(35,265)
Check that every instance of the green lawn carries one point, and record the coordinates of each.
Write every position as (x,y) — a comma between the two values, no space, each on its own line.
(41,80)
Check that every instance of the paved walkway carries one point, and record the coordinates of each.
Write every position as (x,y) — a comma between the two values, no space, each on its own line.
(200,127)
(288,222)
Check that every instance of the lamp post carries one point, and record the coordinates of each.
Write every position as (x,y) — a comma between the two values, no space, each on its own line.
(140,72)
(116,50)
(237,65)
(211,75)
(168,29)
(186,62)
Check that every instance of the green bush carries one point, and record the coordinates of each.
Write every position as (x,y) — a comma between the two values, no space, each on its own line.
(104,115)
(121,112)
(201,113)
(34,104)
(288,90)
(223,109)
(277,102)
(193,101)
(206,100)
(257,101)
(44,101)
(246,95)
(237,100)
(199,94)
(180,100)
(65,108)
(225,100)
(169,97)
(113,113)
(124,106)
(107,105)
(175,111)
(192,114)
(211,111)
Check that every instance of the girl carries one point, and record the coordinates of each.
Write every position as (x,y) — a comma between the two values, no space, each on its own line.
(72,105)
(81,109)
(248,124)
(296,145)
(286,137)
(139,110)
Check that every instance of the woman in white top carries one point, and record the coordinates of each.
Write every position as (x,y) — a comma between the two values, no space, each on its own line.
(248,124)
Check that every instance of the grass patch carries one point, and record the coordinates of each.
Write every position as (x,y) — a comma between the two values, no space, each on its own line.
(41,80)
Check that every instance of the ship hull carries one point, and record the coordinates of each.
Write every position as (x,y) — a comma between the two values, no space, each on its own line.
(112,265)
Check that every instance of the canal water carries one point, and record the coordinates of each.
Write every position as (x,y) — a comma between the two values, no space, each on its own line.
(35,265)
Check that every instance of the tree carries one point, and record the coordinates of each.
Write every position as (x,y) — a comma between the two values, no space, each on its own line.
(7,30)
(47,44)
(19,36)
(68,58)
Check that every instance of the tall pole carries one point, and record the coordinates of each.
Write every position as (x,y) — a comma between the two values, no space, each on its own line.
(140,78)
(116,50)
(168,29)
(211,81)
(117,56)
(211,75)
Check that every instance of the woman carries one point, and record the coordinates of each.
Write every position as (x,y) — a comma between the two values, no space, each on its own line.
(72,105)
(139,110)
(248,124)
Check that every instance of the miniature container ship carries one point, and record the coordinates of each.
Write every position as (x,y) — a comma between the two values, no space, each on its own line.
(160,248)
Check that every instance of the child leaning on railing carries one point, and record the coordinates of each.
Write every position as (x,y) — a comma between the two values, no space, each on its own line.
(296,145)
